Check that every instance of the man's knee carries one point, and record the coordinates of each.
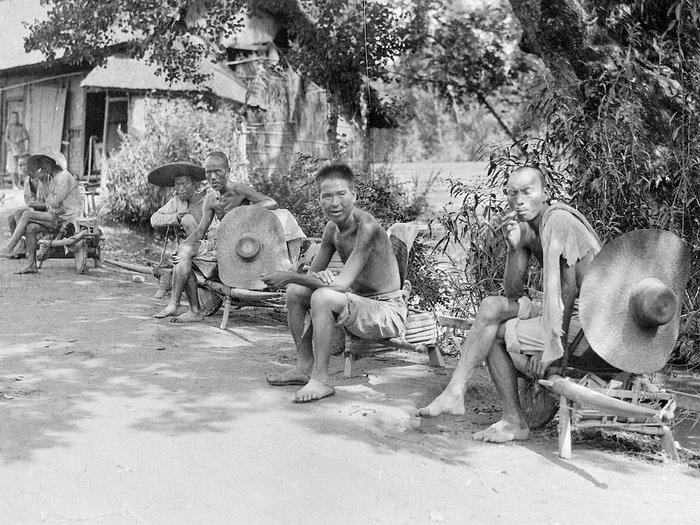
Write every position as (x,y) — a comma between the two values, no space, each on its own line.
(298,295)
(493,309)
(34,228)
(323,299)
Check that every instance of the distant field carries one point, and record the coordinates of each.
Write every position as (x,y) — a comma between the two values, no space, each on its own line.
(414,175)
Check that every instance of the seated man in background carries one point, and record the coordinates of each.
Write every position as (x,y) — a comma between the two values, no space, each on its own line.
(196,249)
(365,298)
(63,203)
(31,186)
(184,209)
(513,333)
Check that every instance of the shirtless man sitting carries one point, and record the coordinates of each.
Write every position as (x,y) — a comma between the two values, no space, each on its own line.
(512,333)
(63,200)
(365,298)
(196,249)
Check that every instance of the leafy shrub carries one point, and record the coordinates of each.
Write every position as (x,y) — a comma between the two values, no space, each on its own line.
(175,131)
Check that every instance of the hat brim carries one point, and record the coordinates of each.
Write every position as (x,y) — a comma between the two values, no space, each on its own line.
(164,175)
(242,268)
(606,317)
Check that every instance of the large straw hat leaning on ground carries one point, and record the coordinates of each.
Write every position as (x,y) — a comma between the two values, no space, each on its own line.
(250,242)
(165,175)
(630,300)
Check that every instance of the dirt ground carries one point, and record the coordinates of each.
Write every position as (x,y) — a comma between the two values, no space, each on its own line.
(109,416)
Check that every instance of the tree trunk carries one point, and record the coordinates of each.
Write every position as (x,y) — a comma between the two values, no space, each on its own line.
(561,33)
(332,131)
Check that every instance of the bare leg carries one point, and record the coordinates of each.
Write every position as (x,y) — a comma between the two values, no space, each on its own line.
(32,244)
(41,218)
(182,272)
(12,221)
(512,425)
(325,304)
(298,299)
(194,315)
(493,312)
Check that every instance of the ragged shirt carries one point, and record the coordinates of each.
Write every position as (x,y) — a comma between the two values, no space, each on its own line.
(62,195)
(567,235)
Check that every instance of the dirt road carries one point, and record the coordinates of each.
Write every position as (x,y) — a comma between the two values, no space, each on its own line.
(109,416)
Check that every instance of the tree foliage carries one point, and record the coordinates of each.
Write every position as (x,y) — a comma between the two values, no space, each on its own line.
(174,35)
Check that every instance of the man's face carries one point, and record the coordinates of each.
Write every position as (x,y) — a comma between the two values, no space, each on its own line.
(14,119)
(337,199)
(526,193)
(22,166)
(185,187)
(217,173)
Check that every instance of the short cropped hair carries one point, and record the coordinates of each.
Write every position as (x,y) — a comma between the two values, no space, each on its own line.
(336,171)
(540,173)
(220,155)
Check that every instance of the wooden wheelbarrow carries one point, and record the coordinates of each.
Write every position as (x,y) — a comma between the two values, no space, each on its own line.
(251,241)
(79,239)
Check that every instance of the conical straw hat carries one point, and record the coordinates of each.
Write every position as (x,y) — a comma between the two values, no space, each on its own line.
(630,300)
(165,175)
(250,242)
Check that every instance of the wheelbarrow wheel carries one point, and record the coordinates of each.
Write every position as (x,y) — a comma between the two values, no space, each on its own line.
(539,406)
(209,302)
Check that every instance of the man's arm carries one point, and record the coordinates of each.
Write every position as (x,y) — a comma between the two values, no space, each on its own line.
(517,258)
(167,215)
(255,197)
(65,183)
(343,281)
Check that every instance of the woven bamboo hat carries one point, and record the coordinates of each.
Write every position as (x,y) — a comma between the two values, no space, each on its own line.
(165,175)
(56,157)
(250,242)
(630,300)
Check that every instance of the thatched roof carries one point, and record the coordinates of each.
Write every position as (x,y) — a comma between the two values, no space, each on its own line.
(127,74)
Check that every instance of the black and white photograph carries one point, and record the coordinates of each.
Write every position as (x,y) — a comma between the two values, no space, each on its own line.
(349,262)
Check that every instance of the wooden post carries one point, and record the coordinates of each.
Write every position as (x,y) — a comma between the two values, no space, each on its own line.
(350,360)
(669,444)
(564,428)
(435,356)
(227,311)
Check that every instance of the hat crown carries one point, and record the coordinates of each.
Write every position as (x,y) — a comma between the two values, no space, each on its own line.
(652,303)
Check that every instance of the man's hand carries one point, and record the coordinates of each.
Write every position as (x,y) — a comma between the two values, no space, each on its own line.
(536,367)
(277,279)
(511,230)
(180,215)
(325,276)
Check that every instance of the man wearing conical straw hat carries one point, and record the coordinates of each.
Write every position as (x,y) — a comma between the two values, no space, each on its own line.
(512,332)
(226,196)
(63,202)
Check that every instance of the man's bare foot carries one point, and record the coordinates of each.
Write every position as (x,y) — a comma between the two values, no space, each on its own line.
(5,254)
(188,317)
(290,377)
(313,391)
(166,312)
(503,431)
(445,403)
(27,269)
